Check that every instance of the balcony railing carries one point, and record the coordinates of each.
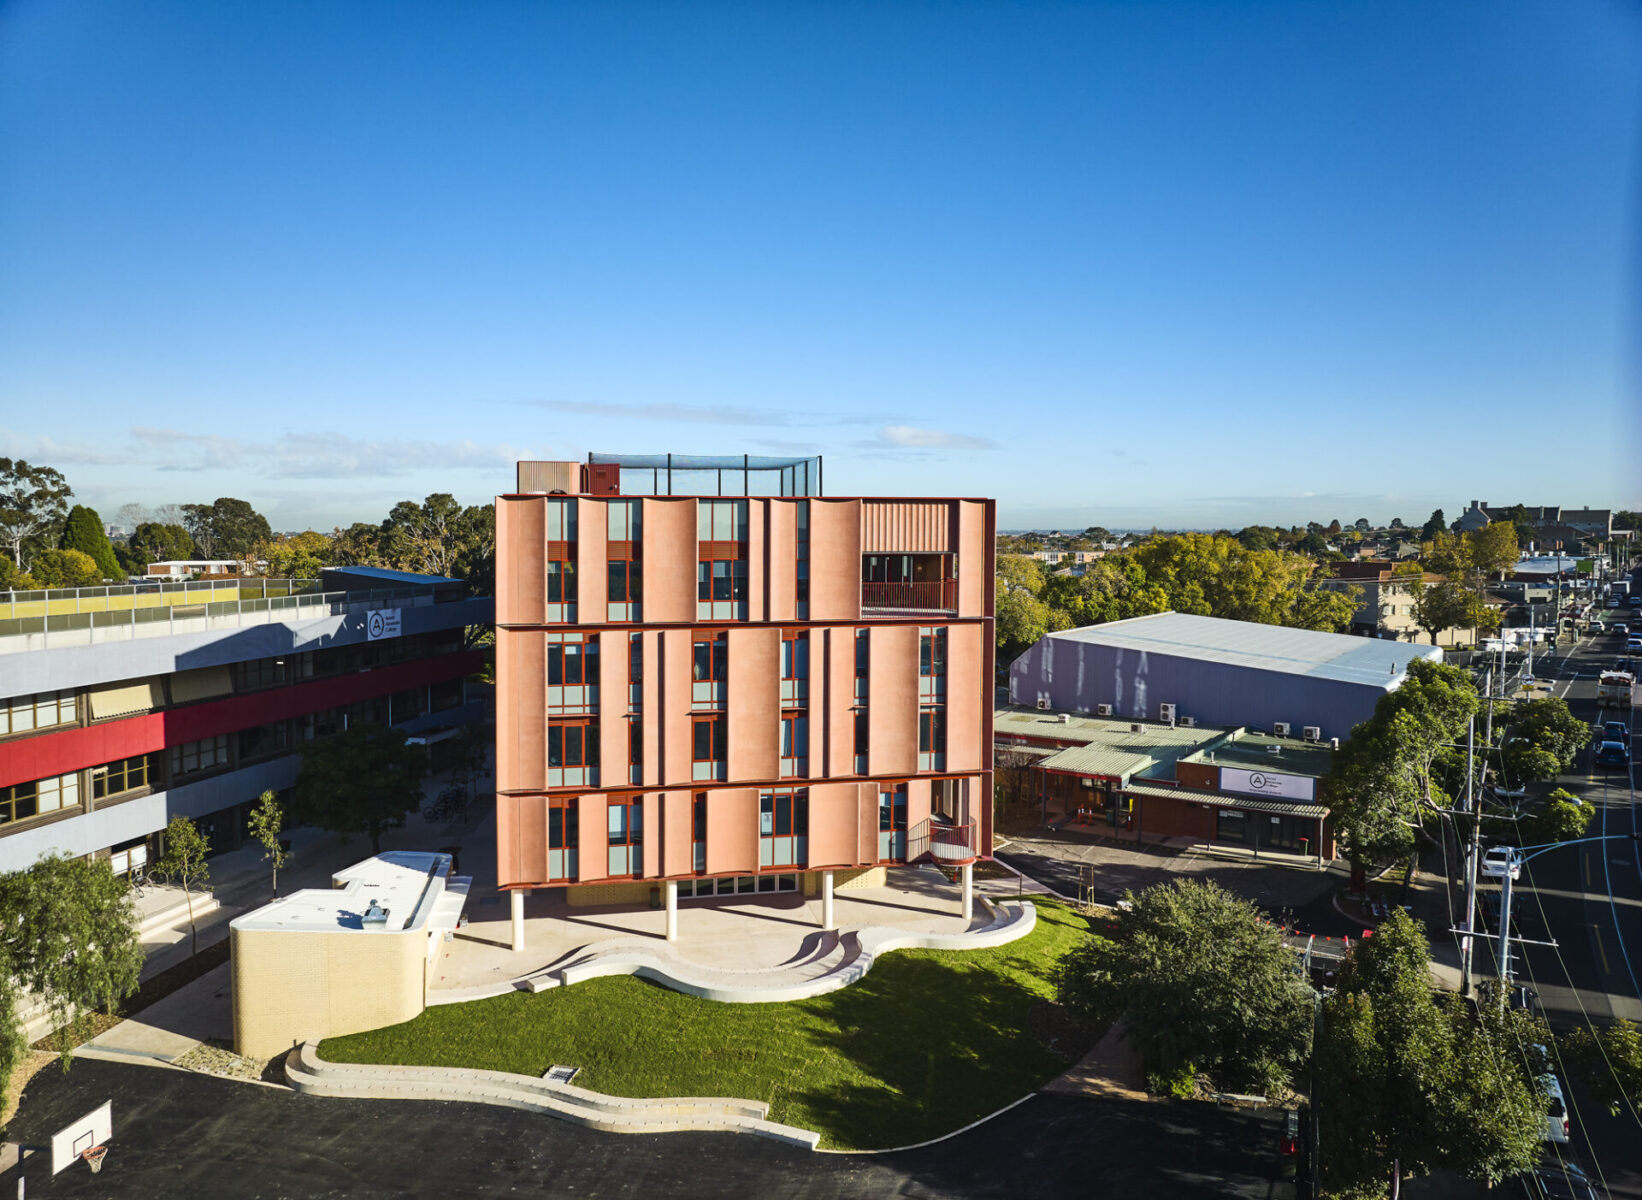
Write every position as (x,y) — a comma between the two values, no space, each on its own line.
(953,844)
(938,595)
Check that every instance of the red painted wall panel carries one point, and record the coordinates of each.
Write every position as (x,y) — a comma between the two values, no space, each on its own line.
(73,749)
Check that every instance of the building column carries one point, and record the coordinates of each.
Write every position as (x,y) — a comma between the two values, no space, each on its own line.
(672,910)
(517,898)
(827,921)
(969,891)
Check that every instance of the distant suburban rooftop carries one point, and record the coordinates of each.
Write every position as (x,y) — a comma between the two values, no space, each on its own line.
(414,887)
(1106,745)
(1334,656)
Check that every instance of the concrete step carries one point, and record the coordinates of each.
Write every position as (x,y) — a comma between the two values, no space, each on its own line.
(172,912)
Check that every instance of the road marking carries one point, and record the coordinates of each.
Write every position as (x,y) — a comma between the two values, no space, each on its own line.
(1596,932)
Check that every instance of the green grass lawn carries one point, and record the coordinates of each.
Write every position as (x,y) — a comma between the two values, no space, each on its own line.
(928,1042)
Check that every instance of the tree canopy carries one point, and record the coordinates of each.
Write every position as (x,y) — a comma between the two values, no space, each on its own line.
(1540,741)
(156,542)
(33,502)
(65,569)
(83,531)
(363,780)
(296,556)
(1410,1077)
(1203,983)
(226,528)
(1434,524)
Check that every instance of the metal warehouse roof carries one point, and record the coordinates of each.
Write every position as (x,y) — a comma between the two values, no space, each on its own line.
(1106,746)
(1333,656)
(1168,791)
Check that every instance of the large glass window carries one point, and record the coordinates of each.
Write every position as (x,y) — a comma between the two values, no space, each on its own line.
(783,828)
(43,710)
(795,745)
(892,822)
(573,744)
(573,664)
(204,755)
(711,658)
(562,837)
(125,775)
(39,797)
(626,830)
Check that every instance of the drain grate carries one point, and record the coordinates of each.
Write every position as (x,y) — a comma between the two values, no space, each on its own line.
(560,1074)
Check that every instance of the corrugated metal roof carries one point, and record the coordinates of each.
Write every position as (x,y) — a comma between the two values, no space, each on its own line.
(1165,791)
(1335,656)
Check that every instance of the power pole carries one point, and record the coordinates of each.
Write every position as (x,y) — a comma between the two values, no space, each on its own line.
(1505,926)
(1471,807)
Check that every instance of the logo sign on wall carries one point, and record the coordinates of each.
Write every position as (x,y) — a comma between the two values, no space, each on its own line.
(1268,783)
(383,623)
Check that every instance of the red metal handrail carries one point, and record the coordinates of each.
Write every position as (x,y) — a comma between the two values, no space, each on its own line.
(961,836)
(932,595)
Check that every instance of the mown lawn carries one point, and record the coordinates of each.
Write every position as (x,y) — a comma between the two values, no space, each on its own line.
(926,1043)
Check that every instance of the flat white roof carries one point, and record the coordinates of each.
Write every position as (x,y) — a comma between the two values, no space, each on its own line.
(1336,656)
(410,884)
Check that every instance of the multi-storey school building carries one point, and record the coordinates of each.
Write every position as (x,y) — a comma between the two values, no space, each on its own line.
(121,707)
(714,680)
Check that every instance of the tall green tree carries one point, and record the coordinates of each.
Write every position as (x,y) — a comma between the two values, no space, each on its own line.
(1434,524)
(33,503)
(185,864)
(1562,819)
(362,780)
(296,556)
(65,569)
(156,542)
(226,528)
(1541,741)
(14,1044)
(1609,1063)
(68,932)
(1494,548)
(1410,1082)
(1203,983)
(83,531)
(1447,604)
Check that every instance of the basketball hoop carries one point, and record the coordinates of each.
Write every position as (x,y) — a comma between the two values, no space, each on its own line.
(94,1158)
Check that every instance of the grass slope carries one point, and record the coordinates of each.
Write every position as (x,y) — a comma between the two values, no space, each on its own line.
(928,1042)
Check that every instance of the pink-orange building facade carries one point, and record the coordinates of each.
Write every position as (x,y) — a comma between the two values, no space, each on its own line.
(722,692)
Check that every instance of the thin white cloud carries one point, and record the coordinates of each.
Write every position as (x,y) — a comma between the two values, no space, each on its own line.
(698,414)
(912,438)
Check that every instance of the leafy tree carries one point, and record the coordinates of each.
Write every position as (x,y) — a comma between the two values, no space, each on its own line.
(184,863)
(14,1044)
(1397,523)
(227,528)
(1447,604)
(1409,1080)
(11,579)
(33,502)
(1494,548)
(362,780)
(1542,741)
(83,531)
(472,756)
(69,934)
(266,823)
(155,542)
(1434,524)
(296,556)
(1203,982)
(65,569)
(1334,526)
(1386,775)
(359,545)
(1563,819)
(1609,1062)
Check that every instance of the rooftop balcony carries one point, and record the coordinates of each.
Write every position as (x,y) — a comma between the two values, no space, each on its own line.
(909,584)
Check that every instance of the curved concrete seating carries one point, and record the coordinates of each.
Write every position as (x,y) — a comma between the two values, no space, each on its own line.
(836,965)
(312,1075)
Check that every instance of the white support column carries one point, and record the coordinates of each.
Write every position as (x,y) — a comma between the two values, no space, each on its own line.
(969,891)
(827,921)
(517,899)
(672,910)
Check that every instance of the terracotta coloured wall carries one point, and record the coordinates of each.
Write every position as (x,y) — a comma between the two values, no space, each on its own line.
(732,830)
(756,560)
(839,701)
(669,560)
(835,560)
(966,692)
(612,708)
(892,706)
(521,711)
(917,802)
(781,559)
(906,526)
(521,550)
(675,834)
(975,587)
(834,817)
(675,705)
(654,720)
(592,575)
(593,836)
(866,829)
(754,703)
(654,833)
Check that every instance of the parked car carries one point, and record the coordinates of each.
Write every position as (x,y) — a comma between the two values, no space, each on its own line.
(1558,1181)
(1510,793)
(1556,1119)
(1497,861)
(1613,754)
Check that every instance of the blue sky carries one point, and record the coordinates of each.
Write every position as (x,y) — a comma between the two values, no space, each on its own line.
(1191,264)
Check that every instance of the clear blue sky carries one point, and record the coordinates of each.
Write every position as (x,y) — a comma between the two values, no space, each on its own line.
(1125,263)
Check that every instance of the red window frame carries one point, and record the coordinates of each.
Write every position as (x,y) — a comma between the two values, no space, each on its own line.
(716,743)
(714,659)
(587,737)
(561,572)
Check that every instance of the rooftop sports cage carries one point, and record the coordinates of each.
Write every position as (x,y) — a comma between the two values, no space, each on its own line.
(713,474)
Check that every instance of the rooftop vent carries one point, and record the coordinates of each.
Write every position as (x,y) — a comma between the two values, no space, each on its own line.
(1136,727)
(375,915)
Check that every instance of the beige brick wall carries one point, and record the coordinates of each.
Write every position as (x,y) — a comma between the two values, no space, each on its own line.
(865,877)
(609,893)
(292,986)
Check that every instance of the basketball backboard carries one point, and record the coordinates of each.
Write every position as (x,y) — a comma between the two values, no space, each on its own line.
(73,1140)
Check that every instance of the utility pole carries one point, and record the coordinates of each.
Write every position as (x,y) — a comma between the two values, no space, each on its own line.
(1472,808)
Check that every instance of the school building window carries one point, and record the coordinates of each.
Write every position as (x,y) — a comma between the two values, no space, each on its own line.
(193,757)
(625,819)
(125,775)
(707,747)
(783,828)
(39,797)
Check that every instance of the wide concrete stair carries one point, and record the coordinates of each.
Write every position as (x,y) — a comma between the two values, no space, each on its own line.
(312,1075)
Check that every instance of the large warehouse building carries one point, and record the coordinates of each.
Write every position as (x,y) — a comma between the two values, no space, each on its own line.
(1178,667)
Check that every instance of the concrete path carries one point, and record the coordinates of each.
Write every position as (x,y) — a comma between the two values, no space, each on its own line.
(171,1027)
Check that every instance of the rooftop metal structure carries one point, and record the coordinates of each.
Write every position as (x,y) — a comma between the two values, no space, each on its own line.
(708,474)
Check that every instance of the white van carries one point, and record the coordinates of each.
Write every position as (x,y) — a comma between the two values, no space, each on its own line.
(1556,1119)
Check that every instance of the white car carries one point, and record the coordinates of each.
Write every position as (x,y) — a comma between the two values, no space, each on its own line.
(1497,861)
(1556,1119)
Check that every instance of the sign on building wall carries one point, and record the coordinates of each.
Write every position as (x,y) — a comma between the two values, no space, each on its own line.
(1268,783)
(383,623)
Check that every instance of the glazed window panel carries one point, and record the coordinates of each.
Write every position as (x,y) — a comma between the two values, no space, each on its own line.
(42,710)
(783,828)
(203,755)
(125,775)
(39,798)
(625,825)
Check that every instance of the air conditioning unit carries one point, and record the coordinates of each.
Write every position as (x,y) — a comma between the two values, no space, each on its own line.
(1281,728)
(1043,704)
(1165,712)
(1136,727)
(1313,733)
(1103,710)
(1188,722)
